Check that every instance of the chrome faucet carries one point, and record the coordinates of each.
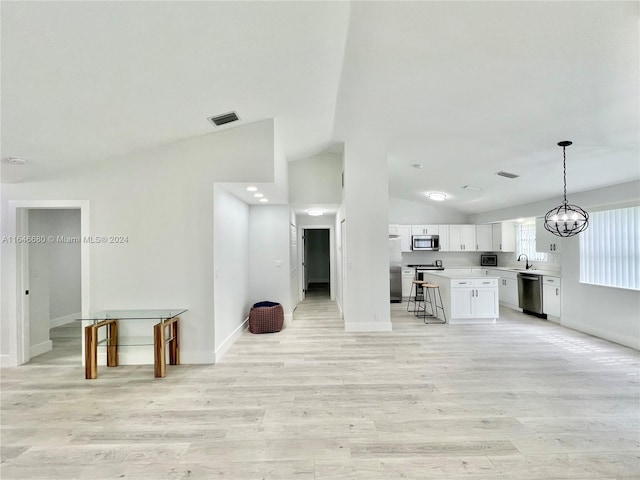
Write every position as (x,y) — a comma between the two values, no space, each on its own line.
(526,261)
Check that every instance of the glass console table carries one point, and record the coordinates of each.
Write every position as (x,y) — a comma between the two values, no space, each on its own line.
(166,335)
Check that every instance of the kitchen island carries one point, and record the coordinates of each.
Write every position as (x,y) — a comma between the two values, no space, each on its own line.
(467,297)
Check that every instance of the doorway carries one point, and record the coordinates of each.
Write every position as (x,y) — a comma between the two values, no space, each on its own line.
(53,267)
(317,262)
(21,329)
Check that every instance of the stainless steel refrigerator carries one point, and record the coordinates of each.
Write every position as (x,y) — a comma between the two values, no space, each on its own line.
(395,269)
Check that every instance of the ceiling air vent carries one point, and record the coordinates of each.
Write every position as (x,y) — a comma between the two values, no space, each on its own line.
(507,174)
(224,118)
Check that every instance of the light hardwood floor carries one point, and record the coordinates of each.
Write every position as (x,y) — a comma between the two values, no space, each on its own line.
(523,399)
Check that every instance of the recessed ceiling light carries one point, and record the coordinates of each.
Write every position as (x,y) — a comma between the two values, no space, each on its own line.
(417,165)
(252,189)
(258,195)
(315,212)
(437,196)
(16,160)
(264,200)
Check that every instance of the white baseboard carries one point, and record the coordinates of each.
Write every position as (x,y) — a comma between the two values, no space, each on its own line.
(470,321)
(40,348)
(288,318)
(601,333)
(226,344)
(56,322)
(6,361)
(367,326)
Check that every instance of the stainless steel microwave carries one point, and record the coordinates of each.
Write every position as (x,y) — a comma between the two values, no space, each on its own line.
(425,242)
(488,260)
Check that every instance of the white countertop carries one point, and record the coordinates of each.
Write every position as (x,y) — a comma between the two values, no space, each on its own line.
(451,273)
(549,273)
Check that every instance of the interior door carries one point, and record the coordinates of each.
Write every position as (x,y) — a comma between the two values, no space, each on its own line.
(305,256)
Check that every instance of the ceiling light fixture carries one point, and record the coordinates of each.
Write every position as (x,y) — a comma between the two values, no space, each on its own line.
(258,195)
(315,212)
(437,196)
(264,200)
(566,220)
(252,189)
(16,160)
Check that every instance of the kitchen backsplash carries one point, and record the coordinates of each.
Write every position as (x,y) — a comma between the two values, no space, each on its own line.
(467,259)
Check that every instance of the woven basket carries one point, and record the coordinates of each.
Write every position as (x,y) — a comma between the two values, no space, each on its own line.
(266,317)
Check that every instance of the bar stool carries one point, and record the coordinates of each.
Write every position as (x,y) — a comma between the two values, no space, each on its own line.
(429,297)
(413,298)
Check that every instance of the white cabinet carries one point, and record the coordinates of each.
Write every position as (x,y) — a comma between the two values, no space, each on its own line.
(484,238)
(551,295)
(404,231)
(424,229)
(474,298)
(462,302)
(546,241)
(507,287)
(462,238)
(443,232)
(508,291)
(503,237)
(407,280)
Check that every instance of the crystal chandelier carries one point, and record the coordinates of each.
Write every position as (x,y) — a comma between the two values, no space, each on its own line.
(566,220)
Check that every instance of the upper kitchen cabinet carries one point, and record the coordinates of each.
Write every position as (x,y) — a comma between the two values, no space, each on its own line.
(443,233)
(462,238)
(504,237)
(425,229)
(484,238)
(546,241)
(404,231)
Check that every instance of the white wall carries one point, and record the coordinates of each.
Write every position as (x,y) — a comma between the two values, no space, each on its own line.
(405,212)
(162,201)
(316,180)
(64,274)
(293,260)
(39,285)
(340,260)
(269,252)
(230,267)
(366,203)
(609,313)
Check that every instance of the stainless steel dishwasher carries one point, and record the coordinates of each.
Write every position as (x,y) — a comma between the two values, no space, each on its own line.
(530,294)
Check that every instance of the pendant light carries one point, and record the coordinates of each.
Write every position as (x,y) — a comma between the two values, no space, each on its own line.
(566,220)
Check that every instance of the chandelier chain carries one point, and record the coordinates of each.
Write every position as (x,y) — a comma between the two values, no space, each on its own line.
(564,167)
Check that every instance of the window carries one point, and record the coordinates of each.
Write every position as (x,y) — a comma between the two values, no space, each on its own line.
(527,243)
(610,249)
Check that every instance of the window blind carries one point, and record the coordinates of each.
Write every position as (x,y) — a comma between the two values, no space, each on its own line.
(610,249)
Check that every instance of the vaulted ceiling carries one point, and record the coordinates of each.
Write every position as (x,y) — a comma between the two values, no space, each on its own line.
(464,89)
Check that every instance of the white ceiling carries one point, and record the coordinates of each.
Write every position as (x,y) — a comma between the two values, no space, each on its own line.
(464,88)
